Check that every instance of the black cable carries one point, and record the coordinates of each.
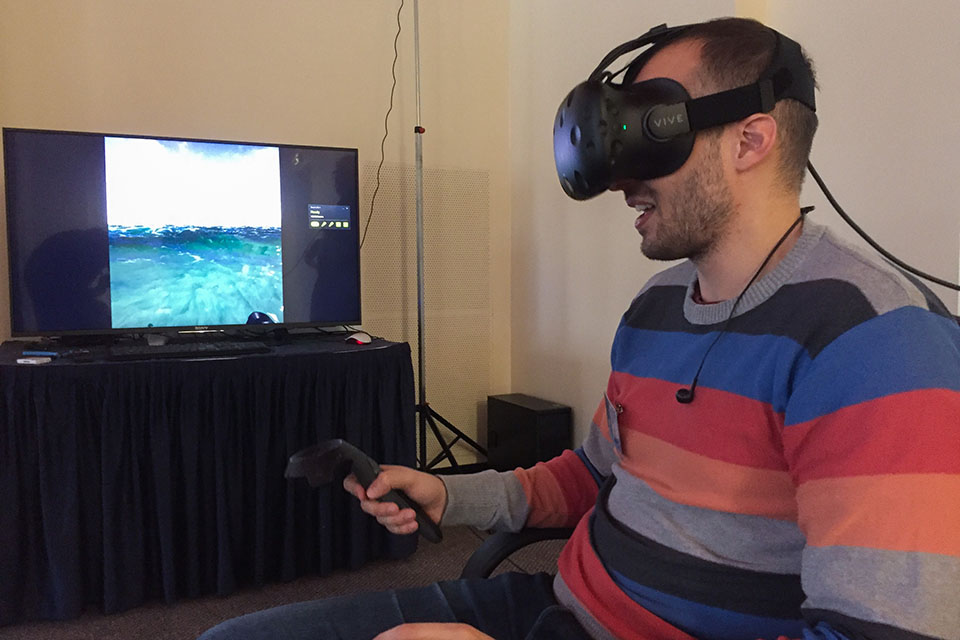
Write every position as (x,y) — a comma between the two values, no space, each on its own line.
(685,394)
(873,243)
(386,130)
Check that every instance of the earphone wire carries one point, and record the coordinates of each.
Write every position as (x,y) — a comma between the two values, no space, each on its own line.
(726,323)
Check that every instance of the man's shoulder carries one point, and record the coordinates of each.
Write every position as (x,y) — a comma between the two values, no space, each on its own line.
(843,290)
(680,275)
(842,271)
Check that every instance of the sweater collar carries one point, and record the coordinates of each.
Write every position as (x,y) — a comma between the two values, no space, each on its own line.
(759,291)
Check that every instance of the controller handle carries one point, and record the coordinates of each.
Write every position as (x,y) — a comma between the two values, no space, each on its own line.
(321,463)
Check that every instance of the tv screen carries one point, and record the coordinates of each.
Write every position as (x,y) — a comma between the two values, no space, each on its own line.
(119,233)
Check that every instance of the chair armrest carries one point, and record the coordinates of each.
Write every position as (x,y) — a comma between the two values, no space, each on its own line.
(499,546)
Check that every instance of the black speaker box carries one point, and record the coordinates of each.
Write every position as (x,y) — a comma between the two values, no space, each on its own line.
(523,430)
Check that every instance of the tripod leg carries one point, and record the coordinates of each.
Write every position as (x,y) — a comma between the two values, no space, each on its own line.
(447,453)
(422,431)
(440,456)
(459,433)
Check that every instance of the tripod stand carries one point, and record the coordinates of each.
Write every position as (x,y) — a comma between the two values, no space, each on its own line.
(426,415)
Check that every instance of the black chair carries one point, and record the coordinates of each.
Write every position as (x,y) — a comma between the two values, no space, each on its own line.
(499,546)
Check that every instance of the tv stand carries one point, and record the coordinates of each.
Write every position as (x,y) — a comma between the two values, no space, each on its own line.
(132,481)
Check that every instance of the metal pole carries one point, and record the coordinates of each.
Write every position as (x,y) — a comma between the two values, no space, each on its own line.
(418,132)
(426,413)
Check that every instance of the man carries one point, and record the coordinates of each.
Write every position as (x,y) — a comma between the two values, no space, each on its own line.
(805,482)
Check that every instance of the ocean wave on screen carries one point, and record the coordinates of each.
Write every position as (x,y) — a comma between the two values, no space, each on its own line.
(190,276)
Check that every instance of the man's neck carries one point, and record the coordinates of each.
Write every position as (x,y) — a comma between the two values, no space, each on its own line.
(724,273)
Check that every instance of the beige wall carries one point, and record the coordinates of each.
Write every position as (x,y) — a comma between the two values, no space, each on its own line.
(889,89)
(524,286)
(314,72)
(889,132)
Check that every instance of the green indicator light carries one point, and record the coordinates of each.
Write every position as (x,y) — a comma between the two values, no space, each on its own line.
(624,127)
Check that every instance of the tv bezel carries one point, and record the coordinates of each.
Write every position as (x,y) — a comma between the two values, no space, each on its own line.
(262,329)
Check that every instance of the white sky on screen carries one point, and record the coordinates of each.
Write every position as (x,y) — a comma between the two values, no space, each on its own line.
(155,183)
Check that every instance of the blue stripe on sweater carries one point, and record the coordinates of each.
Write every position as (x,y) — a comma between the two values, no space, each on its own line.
(823,631)
(906,349)
(760,367)
(702,621)
(903,350)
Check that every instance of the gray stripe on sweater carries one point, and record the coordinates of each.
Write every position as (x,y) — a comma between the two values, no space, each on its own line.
(761,290)
(679,275)
(818,254)
(593,628)
(685,275)
(733,539)
(599,450)
(933,609)
(883,286)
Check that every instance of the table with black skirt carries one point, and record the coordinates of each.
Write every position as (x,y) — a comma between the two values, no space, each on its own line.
(124,482)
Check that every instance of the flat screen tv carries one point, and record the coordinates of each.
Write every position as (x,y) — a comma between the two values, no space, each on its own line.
(134,234)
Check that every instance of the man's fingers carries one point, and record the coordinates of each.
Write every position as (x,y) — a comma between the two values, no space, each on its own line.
(352,485)
(377,489)
(425,489)
(402,530)
(402,518)
(433,631)
(379,509)
(384,482)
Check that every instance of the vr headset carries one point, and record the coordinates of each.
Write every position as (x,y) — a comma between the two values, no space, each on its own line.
(606,131)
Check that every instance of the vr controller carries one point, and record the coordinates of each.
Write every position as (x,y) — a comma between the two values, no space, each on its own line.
(323,462)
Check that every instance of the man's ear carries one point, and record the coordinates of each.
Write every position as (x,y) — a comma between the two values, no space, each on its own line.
(756,137)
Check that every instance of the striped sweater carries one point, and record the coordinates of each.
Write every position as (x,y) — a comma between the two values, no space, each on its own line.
(811,489)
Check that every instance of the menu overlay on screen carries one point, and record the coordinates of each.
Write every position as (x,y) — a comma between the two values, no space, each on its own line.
(121,233)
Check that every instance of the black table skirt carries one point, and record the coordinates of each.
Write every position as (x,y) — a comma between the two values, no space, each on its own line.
(127,482)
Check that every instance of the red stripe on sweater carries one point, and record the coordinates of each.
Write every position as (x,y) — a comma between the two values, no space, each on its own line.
(556,504)
(868,438)
(719,424)
(596,591)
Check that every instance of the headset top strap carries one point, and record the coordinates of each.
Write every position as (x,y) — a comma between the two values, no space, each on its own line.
(658,36)
(785,77)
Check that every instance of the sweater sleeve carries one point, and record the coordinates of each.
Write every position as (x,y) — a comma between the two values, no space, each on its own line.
(556,493)
(872,437)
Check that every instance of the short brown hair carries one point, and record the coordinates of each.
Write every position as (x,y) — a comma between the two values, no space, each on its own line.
(735,51)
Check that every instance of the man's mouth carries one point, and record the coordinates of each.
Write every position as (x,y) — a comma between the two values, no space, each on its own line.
(645,209)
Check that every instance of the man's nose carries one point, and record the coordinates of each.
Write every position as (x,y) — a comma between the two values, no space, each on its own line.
(618,185)
(621,185)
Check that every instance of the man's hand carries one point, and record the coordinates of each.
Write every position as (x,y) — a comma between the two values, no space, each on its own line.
(433,631)
(425,489)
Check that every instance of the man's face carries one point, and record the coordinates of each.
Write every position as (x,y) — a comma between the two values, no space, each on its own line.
(684,214)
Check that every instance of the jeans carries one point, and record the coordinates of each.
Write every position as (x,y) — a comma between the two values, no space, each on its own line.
(511,606)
